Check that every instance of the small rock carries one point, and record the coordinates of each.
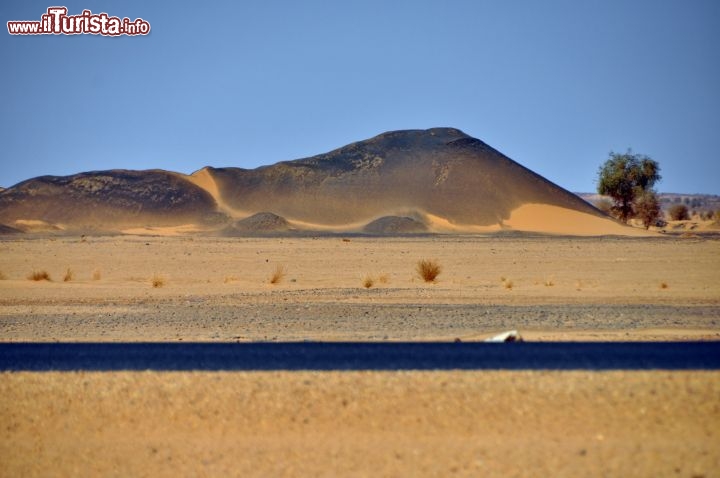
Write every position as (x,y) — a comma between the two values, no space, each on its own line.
(509,336)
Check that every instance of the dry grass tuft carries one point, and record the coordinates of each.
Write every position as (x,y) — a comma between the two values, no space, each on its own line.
(157,281)
(345,239)
(68,275)
(278,275)
(39,275)
(549,282)
(664,285)
(229,279)
(96,275)
(508,284)
(2,276)
(368,282)
(428,269)
(384,279)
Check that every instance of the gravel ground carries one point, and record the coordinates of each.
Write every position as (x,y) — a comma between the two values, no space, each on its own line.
(202,320)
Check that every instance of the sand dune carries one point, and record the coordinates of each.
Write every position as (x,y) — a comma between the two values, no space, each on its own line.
(440,180)
(549,219)
(203,179)
(36,225)
(441,172)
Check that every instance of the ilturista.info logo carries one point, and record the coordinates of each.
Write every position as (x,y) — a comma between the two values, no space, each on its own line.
(57,22)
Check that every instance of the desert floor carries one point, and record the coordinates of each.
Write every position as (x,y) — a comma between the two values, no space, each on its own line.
(484,423)
(489,423)
(219,289)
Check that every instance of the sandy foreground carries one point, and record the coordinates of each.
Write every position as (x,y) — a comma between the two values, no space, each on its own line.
(361,424)
(449,423)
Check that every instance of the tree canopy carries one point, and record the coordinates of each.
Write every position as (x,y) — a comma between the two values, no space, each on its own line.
(625,178)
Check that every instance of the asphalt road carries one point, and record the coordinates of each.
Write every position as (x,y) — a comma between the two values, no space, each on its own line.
(360,356)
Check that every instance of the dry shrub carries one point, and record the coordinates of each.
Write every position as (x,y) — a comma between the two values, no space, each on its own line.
(278,275)
(663,285)
(679,212)
(428,269)
(68,275)
(39,275)
(157,281)
(368,282)
(549,282)
(345,239)
(96,275)
(508,284)
(2,276)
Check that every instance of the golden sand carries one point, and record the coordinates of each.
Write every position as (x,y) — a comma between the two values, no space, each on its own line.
(360,424)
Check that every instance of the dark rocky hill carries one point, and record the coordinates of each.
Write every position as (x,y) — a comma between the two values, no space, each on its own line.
(109,199)
(439,172)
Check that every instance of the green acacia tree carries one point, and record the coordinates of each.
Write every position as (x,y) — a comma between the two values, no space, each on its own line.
(625,178)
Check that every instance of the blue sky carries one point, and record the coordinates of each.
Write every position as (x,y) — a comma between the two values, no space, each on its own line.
(555,85)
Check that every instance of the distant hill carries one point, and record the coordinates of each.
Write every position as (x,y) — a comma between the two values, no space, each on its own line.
(435,180)
(441,171)
(107,200)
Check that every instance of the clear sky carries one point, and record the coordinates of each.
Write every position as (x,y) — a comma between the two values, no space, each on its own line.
(555,85)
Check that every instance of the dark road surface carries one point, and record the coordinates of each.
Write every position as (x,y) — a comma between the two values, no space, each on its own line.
(360,356)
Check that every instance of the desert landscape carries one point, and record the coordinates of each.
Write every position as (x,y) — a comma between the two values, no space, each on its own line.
(328,249)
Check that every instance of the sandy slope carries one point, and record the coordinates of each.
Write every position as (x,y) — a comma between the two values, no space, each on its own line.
(205,180)
(536,218)
(556,220)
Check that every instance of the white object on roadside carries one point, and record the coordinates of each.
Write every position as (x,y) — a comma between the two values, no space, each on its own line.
(509,336)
